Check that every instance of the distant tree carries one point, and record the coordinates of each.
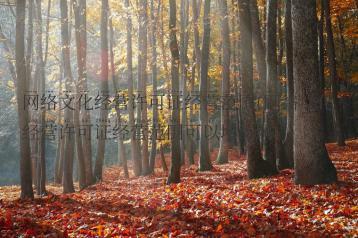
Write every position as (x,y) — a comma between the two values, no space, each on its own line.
(287,160)
(21,88)
(225,87)
(312,164)
(337,110)
(204,156)
(174,173)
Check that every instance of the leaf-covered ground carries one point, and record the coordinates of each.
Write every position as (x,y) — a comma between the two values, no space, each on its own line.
(220,203)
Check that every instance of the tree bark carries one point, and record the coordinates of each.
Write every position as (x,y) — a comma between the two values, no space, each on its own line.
(204,156)
(312,164)
(174,174)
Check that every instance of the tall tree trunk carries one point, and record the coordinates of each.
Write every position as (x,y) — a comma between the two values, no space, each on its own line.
(225,87)
(40,77)
(288,142)
(184,35)
(204,155)
(121,149)
(256,166)
(312,164)
(142,81)
(80,59)
(134,145)
(270,152)
(67,179)
(337,110)
(21,83)
(98,169)
(155,124)
(174,174)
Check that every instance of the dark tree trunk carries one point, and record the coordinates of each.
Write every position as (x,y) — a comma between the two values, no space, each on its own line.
(256,166)
(98,169)
(204,155)
(337,110)
(288,142)
(21,88)
(312,164)
(225,94)
(270,153)
(67,179)
(134,145)
(174,174)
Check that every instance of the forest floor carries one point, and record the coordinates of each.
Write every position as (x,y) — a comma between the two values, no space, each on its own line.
(220,203)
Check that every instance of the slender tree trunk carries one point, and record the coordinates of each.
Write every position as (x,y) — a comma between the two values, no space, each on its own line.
(40,77)
(98,169)
(256,166)
(25,162)
(312,164)
(142,73)
(288,142)
(184,35)
(155,123)
(162,157)
(67,179)
(337,110)
(204,155)
(174,174)
(225,87)
(121,149)
(134,145)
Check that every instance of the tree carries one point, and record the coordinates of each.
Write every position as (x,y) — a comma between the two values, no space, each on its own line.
(256,166)
(174,174)
(287,160)
(155,124)
(225,87)
(270,153)
(337,110)
(67,179)
(204,156)
(98,169)
(80,63)
(142,83)
(121,149)
(21,88)
(135,153)
(312,164)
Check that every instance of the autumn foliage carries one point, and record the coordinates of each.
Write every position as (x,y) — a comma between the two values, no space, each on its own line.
(220,203)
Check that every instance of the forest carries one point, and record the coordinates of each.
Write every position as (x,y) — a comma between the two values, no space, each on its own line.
(178,118)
